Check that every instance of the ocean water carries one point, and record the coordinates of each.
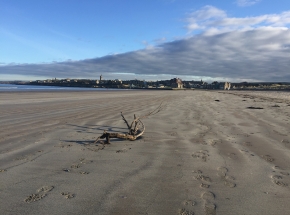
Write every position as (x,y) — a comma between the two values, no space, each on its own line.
(12,87)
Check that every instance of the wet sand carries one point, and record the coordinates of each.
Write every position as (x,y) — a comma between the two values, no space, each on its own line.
(206,152)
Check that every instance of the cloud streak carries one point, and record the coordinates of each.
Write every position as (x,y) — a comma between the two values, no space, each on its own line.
(246,3)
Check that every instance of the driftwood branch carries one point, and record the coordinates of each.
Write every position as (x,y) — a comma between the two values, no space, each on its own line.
(135,130)
(125,120)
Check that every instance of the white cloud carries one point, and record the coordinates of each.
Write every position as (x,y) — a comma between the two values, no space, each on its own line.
(211,20)
(245,3)
(199,19)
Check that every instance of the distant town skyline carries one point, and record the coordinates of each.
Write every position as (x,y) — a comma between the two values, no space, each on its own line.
(171,84)
(230,40)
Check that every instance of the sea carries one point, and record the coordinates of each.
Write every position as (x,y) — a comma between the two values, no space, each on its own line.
(12,87)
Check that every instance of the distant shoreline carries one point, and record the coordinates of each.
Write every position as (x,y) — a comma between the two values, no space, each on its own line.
(27,87)
(112,88)
(165,88)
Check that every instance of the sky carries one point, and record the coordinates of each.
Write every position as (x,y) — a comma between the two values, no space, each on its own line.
(212,40)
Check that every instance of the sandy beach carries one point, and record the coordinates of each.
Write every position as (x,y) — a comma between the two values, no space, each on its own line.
(206,152)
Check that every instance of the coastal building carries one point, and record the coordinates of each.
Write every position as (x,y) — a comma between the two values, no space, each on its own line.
(227,85)
(194,84)
(176,83)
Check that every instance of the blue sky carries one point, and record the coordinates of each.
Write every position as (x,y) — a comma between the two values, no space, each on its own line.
(235,40)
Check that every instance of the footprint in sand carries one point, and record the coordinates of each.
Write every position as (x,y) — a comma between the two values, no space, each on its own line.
(209,206)
(183,211)
(68,195)
(277,179)
(189,203)
(280,183)
(281,172)
(197,171)
(78,165)
(84,161)
(229,184)
(84,173)
(244,151)
(214,142)
(64,145)
(285,173)
(277,167)
(95,148)
(222,172)
(41,193)
(204,185)
(267,158)
(34,197)
(122,150)
(173,134)
(232,156)
(187,208)
(247,144)
(202,155)
(45,189)
(75,166)
(286,143)
(208,196)
(228,177)
(202,178)
(28,156)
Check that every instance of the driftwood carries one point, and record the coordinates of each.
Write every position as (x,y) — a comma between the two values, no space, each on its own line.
(136,128)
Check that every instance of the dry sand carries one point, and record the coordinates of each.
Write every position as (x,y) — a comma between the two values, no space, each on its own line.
(197,156)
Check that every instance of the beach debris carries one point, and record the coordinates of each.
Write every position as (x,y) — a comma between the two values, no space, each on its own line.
(251,107)
(136,128)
